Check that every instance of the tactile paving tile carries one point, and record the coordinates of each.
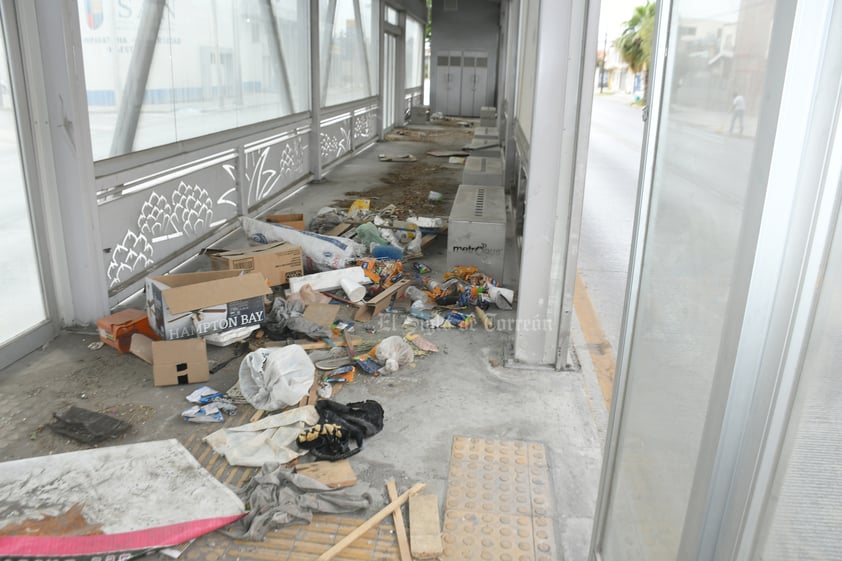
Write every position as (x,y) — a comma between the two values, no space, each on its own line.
(499,502)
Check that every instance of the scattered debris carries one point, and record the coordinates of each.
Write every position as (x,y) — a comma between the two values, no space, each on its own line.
(393,352)
(270,439)
(278,496)
(336,475)
(272,379)
(396,158)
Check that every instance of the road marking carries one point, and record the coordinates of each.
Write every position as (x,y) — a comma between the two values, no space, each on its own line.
(602,355)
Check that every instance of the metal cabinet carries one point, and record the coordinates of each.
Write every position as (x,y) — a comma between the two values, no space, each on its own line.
(461,82)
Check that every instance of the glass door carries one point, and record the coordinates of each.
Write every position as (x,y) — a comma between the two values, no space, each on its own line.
(701,187)
(24,323)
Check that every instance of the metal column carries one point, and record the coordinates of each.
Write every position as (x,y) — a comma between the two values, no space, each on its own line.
(315,92)
(556,180)
(132,98)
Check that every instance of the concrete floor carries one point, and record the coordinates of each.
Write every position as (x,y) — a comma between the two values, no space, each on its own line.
(464,390)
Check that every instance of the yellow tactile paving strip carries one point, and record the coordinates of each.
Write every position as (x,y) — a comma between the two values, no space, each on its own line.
(499,502)
(293,543)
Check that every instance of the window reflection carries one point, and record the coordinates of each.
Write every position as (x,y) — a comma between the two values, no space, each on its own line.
(714,79)
(216,65)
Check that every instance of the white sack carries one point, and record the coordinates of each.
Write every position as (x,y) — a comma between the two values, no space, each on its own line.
(272,379)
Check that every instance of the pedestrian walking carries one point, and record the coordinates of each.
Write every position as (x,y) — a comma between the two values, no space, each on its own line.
(738,109)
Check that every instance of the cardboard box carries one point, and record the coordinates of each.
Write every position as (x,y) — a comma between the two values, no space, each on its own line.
(196,304)
(278,262)
(117,329)
(292,220)
(368,310)
(174,363)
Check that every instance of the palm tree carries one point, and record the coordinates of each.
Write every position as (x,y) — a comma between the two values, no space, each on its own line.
(635,44)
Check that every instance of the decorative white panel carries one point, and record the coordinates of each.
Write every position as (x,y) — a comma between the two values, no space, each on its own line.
(335,140)
(273,165)
(157,218)
(365,126)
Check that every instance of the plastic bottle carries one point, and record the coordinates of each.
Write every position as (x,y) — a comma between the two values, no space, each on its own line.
(419,299)
(386,252)
(368,233)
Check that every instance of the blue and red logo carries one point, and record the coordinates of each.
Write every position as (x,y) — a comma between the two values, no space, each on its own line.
(93,13)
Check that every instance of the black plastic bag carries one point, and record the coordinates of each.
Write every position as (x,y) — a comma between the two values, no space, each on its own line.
(339,426)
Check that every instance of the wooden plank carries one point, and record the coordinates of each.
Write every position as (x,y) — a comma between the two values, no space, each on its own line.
(370,523)
(424,526)
(333,474)
(339,229)
(400,527)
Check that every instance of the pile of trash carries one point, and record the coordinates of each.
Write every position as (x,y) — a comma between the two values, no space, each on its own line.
(298,311)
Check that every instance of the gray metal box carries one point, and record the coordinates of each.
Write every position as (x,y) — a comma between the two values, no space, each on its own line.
(476,231)
(488,117)
(486,133)
(483,171)
(493,152)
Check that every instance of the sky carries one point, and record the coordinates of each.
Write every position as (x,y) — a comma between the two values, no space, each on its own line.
(612,15)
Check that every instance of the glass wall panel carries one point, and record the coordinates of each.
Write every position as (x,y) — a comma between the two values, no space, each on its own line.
(803,516)
(414,53)
(527,61)
(392,16)
(216,65)
(714,83)
(21,295)
(348,50)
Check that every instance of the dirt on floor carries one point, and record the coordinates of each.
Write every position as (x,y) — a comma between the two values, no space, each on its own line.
(408,185)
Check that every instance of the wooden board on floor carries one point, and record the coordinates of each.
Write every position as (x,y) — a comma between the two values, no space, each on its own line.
(424,527)
(427,239)
(339,229)
(335,475)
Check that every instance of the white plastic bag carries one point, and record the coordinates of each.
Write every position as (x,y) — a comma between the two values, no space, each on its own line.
(320,252)
(271,379)
(395,352)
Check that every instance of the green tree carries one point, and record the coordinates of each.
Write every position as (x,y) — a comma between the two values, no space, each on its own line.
(635,44)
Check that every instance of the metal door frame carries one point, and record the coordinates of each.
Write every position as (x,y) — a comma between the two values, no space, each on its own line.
(26,101)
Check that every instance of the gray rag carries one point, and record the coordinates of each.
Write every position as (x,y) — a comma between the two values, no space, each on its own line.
(290,315)
(278,497)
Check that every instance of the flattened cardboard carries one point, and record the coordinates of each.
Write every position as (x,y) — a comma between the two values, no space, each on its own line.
(379,303)
(180,362)
(292,220)
(321,314)
(142,347)
(185,305)
(278,262)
